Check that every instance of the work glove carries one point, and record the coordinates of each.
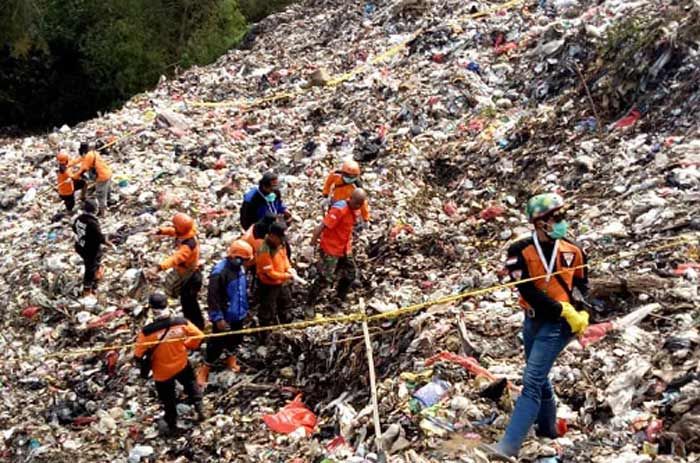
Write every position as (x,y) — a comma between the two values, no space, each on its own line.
(577,319)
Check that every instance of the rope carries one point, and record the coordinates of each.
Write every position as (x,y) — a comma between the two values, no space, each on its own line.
(361,316)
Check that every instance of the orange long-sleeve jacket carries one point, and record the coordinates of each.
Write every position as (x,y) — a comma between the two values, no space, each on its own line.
(335,188)
(186,256)
(168,358)
(93,160)
(255,243)
(272,265)
(65,179)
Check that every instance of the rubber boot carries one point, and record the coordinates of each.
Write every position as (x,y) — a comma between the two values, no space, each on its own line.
(343,289)
(232,364)
(202,376)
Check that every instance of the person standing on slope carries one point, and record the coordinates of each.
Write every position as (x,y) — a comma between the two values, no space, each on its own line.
(551,321)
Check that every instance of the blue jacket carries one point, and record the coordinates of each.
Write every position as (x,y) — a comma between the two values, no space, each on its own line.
(227,295)
(255,206)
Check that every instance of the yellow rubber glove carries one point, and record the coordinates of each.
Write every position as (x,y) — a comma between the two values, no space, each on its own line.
(577,320)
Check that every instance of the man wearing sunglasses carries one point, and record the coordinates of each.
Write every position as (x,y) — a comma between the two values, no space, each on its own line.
(550,320)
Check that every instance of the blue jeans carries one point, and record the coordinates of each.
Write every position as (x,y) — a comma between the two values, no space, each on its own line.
(543,340)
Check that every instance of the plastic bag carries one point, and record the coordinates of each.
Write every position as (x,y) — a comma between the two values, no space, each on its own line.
(595,333)
(432,392)
(292,416)
(470,363)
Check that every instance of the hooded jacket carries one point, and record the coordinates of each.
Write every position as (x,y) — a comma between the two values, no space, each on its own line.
(88,234)
(93,161)
(169,358)
(186,256)
(336,190)
(255,206)
(227,295)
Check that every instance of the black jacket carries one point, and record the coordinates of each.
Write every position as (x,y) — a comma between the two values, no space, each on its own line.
(255,207)
(88,235)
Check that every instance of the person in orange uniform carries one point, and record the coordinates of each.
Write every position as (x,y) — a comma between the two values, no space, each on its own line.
(335,236)
(255,236)
(167,358)
(551,321)
(92,162)
(274,271)
(66,184)
(340,184)
(185,261)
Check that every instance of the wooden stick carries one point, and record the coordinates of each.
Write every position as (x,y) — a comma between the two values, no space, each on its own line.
(590,100)
(372,382)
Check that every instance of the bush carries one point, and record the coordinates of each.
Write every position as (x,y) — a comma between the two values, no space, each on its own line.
(63,60)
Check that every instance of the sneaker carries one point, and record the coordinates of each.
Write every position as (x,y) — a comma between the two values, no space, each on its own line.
(232,364)
(202,377)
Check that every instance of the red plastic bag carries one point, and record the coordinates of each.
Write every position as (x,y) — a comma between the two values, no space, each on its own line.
(630,119)
(30,312)
(470,363)
(595,333)
(292,416)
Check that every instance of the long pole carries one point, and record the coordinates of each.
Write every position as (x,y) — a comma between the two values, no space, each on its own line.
(372,382)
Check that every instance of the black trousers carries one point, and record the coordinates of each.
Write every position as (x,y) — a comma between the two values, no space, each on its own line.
(188,299)
(69,201)
(167,396)
(219,344)
(274,302)
(91,261)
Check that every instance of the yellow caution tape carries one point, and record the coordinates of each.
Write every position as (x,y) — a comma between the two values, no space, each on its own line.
(360,316)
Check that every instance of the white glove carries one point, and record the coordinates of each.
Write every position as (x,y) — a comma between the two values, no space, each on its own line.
(296,277)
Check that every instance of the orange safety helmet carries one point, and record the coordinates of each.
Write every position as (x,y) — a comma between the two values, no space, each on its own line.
(62,158)
(350,167)
(242,249)
(183,223)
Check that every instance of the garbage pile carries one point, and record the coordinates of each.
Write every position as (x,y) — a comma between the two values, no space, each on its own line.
(472,110)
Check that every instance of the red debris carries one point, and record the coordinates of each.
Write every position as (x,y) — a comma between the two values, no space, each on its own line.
(654,429)
(400,228)
(506,48)
(450,208)
(682,268)
(595,333)
(84,420)
(102,320)
(562,427)
(492,212)
(30,312)
(112,359)
(630,119)
(220,164)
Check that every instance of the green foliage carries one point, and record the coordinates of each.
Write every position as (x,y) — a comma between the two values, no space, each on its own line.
(255,10)
(62,60)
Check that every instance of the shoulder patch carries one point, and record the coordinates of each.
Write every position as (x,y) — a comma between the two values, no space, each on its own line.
(519,246)
(568,258)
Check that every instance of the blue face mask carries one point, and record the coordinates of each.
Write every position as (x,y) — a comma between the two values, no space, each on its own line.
(270,197)
(558,230)
(349,179)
